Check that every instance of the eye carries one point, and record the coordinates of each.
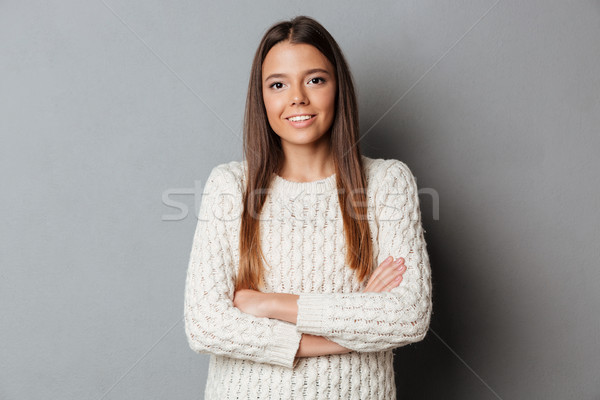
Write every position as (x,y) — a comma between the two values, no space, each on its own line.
(317,78)
(276,83)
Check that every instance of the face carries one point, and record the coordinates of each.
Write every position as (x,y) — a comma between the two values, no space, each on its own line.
(299,80)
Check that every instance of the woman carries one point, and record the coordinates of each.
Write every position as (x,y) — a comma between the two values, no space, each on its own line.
(281,287)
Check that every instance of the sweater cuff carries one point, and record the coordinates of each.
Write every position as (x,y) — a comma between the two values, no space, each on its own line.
(286,341)
(311,312)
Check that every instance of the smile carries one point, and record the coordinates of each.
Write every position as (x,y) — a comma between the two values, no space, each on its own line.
(301,121)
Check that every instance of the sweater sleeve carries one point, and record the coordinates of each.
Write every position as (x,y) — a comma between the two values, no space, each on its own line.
(381,321)
(212,324)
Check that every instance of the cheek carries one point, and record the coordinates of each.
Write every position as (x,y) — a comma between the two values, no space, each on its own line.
(273,106)
(328,101)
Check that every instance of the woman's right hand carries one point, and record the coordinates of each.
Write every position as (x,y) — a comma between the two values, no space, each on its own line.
(387,276)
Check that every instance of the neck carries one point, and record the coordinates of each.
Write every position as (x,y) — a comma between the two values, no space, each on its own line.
(302,164)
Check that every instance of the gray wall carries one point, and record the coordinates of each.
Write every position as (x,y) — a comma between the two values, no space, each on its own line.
(109,106)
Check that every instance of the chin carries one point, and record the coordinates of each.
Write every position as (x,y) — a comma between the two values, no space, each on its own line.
(302,140)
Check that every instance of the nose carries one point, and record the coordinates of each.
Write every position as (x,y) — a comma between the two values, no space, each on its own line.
(298,96)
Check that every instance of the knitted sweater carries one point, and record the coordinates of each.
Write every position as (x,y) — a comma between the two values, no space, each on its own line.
(302,237)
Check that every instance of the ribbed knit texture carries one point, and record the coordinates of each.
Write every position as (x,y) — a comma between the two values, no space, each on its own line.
(302,238)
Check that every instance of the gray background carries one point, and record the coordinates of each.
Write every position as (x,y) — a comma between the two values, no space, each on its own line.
(110,107)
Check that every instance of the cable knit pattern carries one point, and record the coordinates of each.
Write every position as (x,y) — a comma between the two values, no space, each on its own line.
(302,237)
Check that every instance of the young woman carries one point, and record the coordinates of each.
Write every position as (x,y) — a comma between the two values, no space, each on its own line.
(282,288)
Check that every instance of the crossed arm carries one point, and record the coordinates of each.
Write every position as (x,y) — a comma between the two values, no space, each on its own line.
(284,306)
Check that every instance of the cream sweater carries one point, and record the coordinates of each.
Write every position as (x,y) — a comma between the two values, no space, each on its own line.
(302,237)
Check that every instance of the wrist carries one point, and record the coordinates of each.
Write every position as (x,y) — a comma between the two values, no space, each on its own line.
(268,305)
(282,306)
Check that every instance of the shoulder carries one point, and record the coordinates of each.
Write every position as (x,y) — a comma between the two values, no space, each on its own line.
(387,173)
(227,176)
(222,196)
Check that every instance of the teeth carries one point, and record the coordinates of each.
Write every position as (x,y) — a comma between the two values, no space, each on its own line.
(301,118)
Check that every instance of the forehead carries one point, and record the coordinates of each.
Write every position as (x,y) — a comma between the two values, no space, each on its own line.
(289,58)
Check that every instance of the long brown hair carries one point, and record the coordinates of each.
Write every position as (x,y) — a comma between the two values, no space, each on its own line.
(264,154)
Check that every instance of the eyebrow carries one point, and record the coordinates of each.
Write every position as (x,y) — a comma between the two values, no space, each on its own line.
(307,72)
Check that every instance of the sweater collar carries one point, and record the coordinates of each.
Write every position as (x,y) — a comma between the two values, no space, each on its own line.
(282,185)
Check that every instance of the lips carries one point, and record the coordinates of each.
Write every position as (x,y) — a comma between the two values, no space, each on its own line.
(302,123)
(300,115)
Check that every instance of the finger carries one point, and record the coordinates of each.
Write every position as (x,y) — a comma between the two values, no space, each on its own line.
(382,275)
(389,273)
(388,261)
(375,276)
(391,261)
(394,283)
(381,280)
(394,280)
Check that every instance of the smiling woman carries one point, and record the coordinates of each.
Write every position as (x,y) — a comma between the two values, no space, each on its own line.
(302,291)
(299,95)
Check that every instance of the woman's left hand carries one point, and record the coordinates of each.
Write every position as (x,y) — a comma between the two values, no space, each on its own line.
(251,302)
